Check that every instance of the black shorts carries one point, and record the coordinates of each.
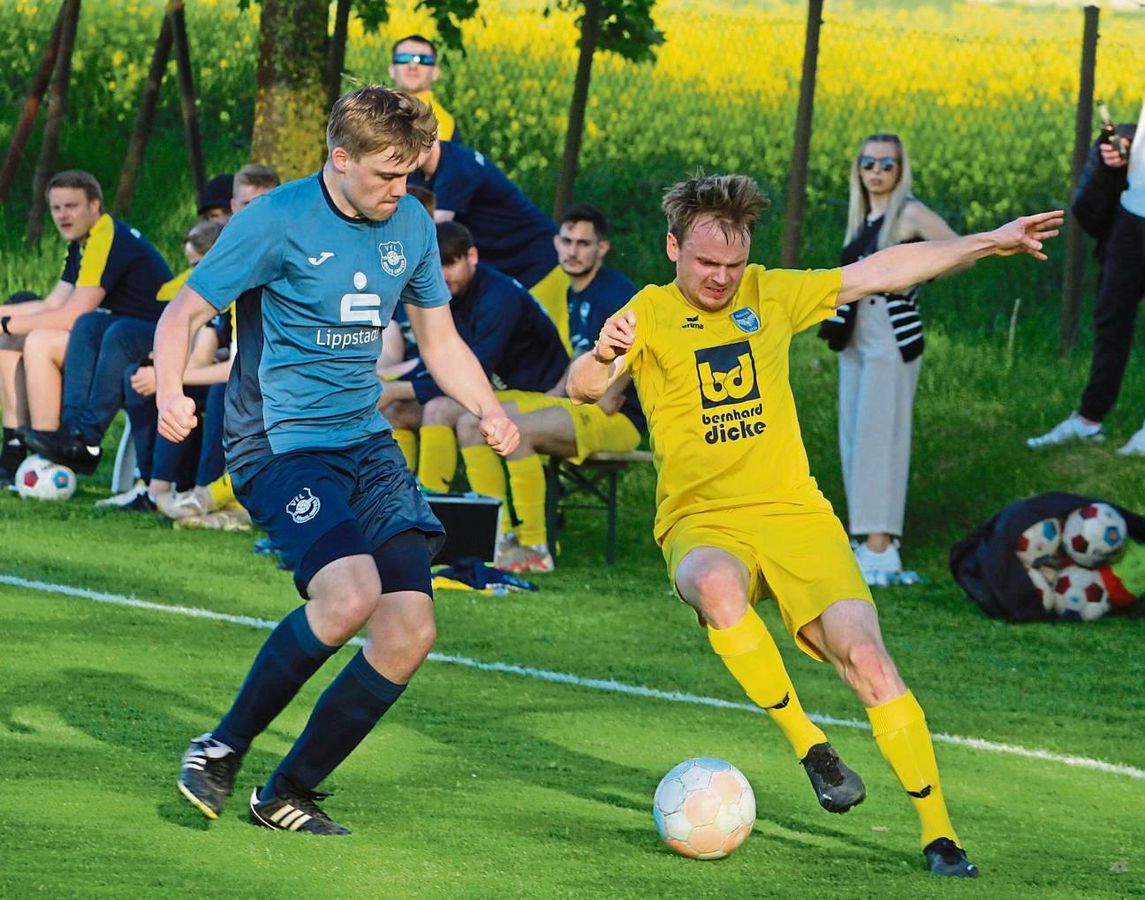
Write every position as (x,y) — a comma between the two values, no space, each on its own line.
(322,505)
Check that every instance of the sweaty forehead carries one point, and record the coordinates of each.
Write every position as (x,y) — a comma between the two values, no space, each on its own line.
(707,238)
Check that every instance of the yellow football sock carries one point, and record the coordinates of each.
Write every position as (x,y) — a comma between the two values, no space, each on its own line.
(221,491)
(407,443)
(487,476)
(754,661)
(437,461)
(899,727)
(527,481)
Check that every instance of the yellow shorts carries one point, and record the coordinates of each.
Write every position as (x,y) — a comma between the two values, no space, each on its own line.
(595,429)
(798,555)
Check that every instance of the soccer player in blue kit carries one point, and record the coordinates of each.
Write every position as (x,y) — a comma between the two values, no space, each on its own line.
(326,259)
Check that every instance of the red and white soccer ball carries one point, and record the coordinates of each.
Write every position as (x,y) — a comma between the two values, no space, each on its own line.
(39,479)
(1039,544)
(1093,534)
(1080,595)
(704,808)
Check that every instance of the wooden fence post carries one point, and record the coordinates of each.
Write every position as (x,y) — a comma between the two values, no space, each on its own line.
(1074,237)
(144,118)
(57,107)
(187,93)
(797,177)
(35,97)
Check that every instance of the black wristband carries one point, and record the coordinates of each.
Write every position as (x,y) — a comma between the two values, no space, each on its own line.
(4,320)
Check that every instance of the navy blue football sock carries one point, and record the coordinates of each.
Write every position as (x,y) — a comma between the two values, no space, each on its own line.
(286,661)
(345,713)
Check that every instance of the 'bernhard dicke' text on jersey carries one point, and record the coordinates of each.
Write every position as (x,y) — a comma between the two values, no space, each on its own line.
(715,389)
(317,289)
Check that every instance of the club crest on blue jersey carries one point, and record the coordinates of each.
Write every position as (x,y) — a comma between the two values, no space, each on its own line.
(393,258)
(303,507)
(746,320)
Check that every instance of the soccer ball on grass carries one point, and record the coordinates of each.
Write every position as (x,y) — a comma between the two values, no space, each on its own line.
(704,808)
(39,479)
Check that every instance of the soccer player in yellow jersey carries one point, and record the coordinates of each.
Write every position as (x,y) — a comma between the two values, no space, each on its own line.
(738,513)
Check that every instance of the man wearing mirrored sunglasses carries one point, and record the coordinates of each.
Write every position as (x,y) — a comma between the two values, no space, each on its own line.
(414,69)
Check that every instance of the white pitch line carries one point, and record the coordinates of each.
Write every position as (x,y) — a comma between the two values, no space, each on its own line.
(598,684)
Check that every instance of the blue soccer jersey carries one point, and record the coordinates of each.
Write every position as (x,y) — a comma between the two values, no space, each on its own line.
(315,289)
(509,231)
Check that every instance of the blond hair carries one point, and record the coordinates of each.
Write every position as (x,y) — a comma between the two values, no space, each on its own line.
(733,202)
(859,206)
(373,118)
(257,176)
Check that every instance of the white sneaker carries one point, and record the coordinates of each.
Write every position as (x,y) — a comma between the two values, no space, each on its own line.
(879,568)
(1135,446)
(1069,429)
(127,498)
(503,552)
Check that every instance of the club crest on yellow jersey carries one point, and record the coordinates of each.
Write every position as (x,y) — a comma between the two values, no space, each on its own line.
(746,320)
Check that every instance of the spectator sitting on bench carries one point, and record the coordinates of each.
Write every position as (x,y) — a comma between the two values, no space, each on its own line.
(515,342)
(108,286)
(206,376)
(552,425)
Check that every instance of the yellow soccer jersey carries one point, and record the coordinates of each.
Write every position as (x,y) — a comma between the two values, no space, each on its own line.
(715,388)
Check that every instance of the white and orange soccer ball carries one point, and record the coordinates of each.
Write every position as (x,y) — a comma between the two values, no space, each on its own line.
(1039,544)
(39,479)
(1080,595)
(704,808)
(1093,534)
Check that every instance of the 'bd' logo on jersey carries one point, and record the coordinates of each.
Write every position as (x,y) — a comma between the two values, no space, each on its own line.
(727,374)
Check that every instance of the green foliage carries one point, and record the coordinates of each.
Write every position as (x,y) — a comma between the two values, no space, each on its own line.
(627,27)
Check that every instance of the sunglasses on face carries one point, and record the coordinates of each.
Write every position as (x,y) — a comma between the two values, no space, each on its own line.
(425,59)
(885,163)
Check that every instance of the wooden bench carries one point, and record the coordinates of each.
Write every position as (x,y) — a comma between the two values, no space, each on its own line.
(591,485)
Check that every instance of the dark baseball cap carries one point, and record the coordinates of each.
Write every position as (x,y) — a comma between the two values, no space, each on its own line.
(217,193)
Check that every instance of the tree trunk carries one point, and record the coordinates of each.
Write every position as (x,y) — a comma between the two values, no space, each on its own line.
(57,108)
(32,105)
(290,107)
(589,36)
(336,56)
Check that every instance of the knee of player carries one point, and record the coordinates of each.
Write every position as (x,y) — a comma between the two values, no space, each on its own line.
(354,604)
(441,411)
(469,430)
(720,595)
(870,665)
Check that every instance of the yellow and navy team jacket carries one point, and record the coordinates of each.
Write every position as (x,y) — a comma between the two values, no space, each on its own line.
(117,258)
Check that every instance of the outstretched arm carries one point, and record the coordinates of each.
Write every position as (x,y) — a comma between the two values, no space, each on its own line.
(898,268)
(591,374)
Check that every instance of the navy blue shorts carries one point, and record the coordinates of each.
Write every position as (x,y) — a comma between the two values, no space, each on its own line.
(321,505)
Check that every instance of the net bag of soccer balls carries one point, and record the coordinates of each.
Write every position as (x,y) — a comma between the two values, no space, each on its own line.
(1084,564)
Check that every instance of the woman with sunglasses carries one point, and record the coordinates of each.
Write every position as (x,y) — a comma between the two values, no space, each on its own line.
(879,341)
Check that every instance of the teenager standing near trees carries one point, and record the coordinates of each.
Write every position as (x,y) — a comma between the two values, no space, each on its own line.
(879,341)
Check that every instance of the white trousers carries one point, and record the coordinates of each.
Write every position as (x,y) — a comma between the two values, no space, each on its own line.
(876,405)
